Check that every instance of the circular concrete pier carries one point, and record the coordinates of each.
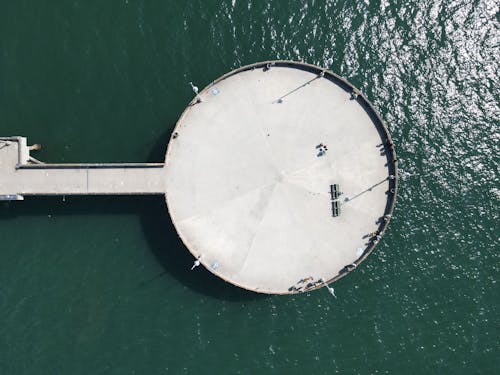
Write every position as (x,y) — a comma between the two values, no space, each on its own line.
(281,177)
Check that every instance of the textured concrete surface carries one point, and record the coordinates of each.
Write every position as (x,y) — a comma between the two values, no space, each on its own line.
(18,176)
(249,193)
(247,177)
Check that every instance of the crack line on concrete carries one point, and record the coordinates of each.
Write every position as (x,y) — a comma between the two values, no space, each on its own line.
(224,204)
(264,211)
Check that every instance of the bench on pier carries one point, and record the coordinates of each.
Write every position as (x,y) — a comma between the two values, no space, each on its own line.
(334,191)
(335,208)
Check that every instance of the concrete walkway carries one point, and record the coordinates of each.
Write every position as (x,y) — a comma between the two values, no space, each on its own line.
(281,177)
(21,175)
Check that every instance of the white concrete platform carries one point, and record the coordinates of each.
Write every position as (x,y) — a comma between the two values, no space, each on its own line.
(19,176)
(248,178)
(249,193)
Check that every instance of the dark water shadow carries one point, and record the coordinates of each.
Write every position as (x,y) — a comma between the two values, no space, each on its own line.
(157,227)
(170,251)
(176,259)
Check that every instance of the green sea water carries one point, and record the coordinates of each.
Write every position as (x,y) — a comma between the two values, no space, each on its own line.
(102,285)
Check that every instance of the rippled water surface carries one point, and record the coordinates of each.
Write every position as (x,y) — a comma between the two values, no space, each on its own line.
(102,285)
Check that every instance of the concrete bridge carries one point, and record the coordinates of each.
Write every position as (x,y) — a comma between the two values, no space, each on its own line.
(281,177)
(22,175)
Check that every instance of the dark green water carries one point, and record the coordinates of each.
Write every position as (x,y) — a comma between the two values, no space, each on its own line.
(102,285)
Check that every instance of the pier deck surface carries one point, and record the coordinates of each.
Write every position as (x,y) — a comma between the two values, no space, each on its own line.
(19,176)
(281,177)
(249,188)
